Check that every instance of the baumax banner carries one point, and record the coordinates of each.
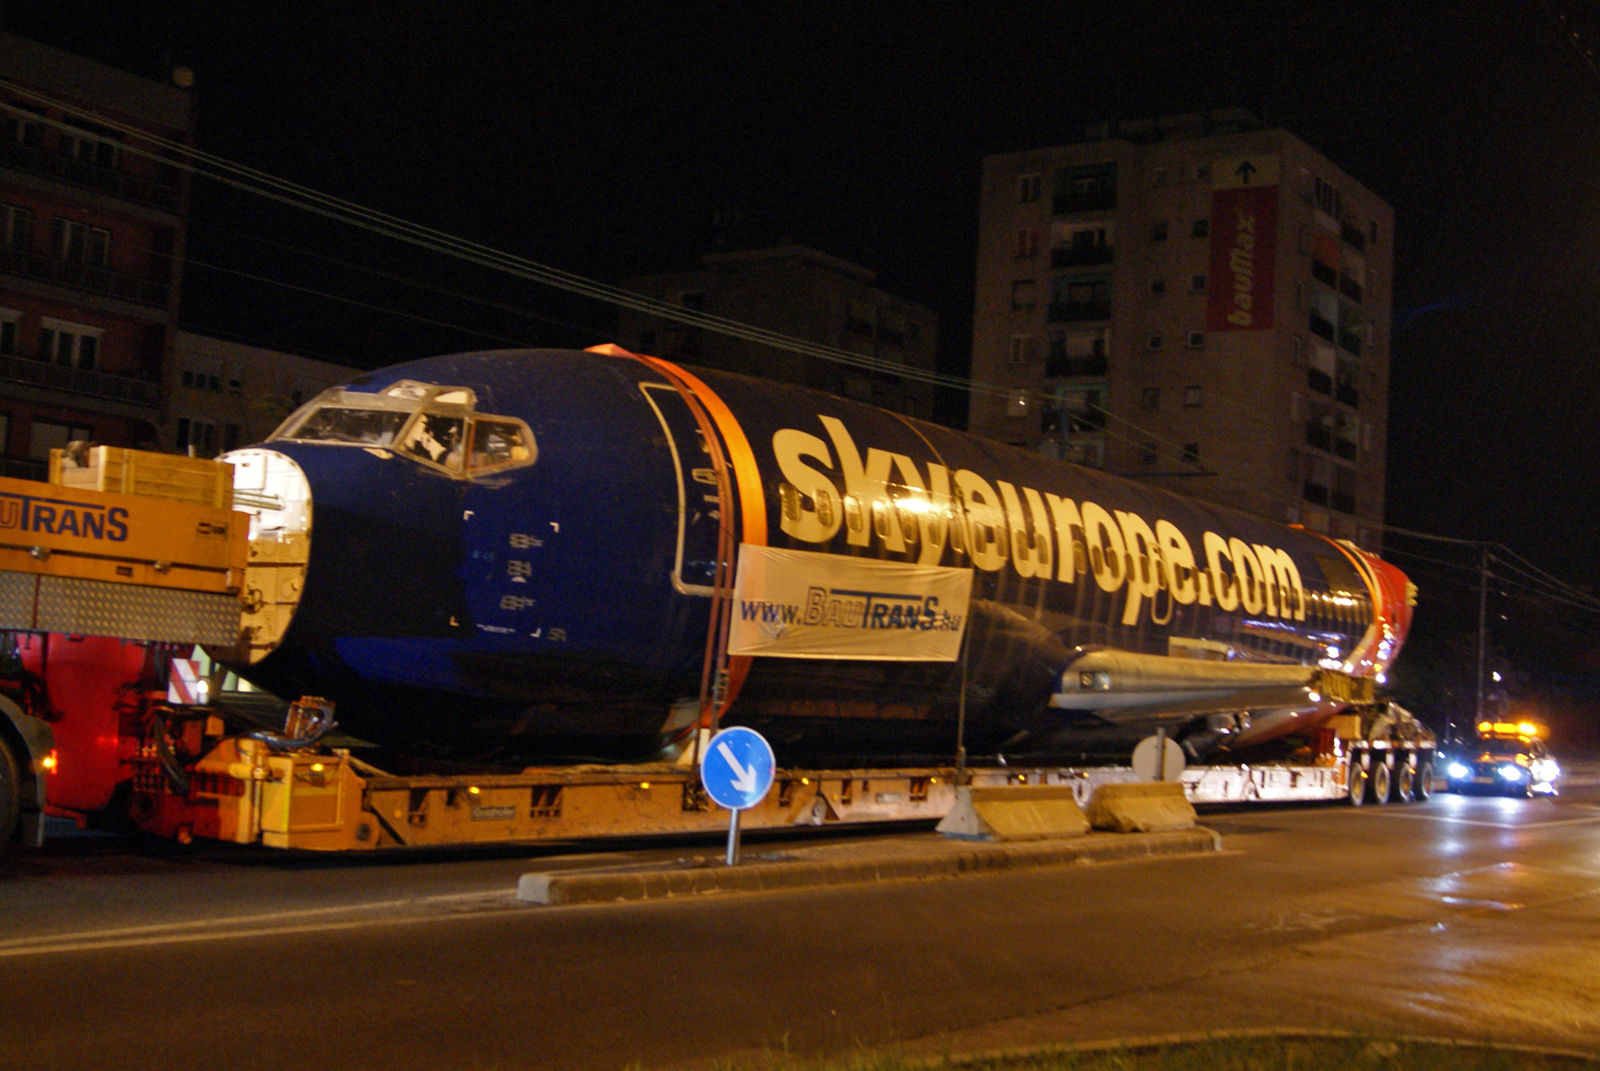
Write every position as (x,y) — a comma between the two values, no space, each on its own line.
(1244,237)
(802,604)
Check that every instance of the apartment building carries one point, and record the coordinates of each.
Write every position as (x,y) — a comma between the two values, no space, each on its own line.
(804,294)
(92,223)
(1195,302)
(224,394)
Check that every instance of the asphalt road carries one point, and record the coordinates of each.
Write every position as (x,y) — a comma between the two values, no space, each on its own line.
(1468,918)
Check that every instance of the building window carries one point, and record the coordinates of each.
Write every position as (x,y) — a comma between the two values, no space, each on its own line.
(1201,227)
(1029,188)
(1329,199)
(235,388)
(1158,285)
(230,436)
(1191,396)
(1197,283)
(22,126)
(1018,403)
(10,322)
(90,146)
(1150,398)
(1027,243)
(1158,231)
(197,437)
(1153,341)
(73,345)
(79,243)
(1197,340)
(16,227)
(1021,350)
(47,435)
(1191,453)
(1023,295)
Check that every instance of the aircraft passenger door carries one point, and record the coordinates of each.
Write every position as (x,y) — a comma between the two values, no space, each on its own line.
(699,507)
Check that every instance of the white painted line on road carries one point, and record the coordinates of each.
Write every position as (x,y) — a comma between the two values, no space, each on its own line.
(1478,822)
(228,928)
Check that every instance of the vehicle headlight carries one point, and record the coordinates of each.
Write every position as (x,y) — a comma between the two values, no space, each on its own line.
(1511,772)
(1457,770)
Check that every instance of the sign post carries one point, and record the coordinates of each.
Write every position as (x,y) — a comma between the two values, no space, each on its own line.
(737,770)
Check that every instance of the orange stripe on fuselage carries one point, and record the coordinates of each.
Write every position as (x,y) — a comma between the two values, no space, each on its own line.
(747,476)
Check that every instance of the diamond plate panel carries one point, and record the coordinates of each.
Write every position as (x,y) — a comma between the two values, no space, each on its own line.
(16,600)
(134,612)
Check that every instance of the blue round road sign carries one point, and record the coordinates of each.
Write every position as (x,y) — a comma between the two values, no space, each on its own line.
(737,768)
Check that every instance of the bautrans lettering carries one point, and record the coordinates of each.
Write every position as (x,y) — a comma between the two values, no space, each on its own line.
(841,608)
(53,516)
(888,500)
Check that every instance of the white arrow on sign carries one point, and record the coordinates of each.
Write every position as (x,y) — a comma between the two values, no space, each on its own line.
(743,779)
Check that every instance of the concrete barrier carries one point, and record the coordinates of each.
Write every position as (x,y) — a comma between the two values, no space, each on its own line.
(1141,807)
(1015,812)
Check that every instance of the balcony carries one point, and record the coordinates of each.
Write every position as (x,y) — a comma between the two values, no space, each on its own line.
(1061,366)
(1319,381)
(104,385)
(1353,238)
(1346,392)
(1323,273)
(1343,502)
(112,182)
(89,277)
(1350,341)
(1350,288)
(1315,492)
(1066,312)
(1069,256)
(1319,436)
(1344,448)
(1322,326)
(1099,199)
(1072,421)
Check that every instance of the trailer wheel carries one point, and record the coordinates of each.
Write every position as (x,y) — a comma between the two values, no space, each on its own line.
(1405,782)
(1357,788)
(1422,786)
(10,796)
(1382,782)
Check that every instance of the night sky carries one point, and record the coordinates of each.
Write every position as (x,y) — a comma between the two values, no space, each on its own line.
(603,138)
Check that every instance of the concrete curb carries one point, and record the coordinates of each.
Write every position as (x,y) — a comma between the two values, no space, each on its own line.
(941,860)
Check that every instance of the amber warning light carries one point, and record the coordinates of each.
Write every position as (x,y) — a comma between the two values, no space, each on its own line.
(1510,728)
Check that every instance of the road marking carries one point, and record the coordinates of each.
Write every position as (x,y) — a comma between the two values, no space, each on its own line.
(259,925)
(1480,822)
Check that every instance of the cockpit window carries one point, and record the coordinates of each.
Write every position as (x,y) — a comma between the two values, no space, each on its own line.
(370,427)
(499,442)
(424,422)
(438,439)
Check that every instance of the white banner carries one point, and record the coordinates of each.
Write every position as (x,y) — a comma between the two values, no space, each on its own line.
(801,604)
